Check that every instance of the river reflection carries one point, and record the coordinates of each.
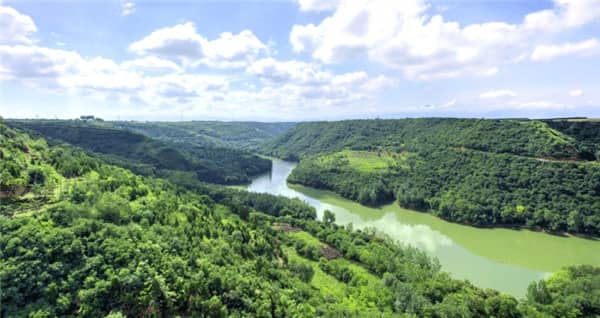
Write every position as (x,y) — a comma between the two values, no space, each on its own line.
(454,258)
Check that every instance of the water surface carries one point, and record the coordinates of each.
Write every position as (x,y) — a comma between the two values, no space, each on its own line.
(503,259)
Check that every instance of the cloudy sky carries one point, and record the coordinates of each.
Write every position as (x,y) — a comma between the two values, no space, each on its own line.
(299,60)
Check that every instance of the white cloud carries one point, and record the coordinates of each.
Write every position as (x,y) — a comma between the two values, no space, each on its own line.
(317,5)
(232,50)
(401,34)
(302,84)
(15,27)
(155,80)
(127,7)
(286,71)
(498,94)
(550,52)
(565,14)
(37,63)
(152,65)
(179,41)
(183,42)
(576,93)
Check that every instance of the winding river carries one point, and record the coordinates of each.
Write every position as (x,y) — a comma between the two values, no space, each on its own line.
(503,259)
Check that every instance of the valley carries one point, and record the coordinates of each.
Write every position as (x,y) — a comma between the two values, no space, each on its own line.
(503,259)
(164,225)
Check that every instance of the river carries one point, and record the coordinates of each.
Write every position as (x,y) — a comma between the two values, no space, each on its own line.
(503,259)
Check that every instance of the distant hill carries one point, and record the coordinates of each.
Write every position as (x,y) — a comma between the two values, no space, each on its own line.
(246,135)
(81,237)
(148,156)
(527,138)
(517,173)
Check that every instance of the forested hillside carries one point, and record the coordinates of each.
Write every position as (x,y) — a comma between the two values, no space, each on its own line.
(246,135)
(84,238)
(479,172)
(144,155)
(586,131)
(519,137)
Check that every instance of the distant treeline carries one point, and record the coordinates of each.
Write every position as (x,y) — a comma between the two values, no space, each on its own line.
(147,156)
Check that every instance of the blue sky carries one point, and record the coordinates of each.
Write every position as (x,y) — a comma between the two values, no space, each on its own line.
(299,60)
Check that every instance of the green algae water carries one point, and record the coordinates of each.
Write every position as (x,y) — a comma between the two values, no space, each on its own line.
(503,259)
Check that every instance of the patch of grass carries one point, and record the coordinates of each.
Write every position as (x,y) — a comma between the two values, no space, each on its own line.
(323,279)
(326,283)
(364,161)
(306,238)
(359,298)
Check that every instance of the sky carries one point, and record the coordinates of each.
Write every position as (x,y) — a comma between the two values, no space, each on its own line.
(296,60)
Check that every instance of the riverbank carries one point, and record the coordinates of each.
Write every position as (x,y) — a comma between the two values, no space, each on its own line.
(504,259)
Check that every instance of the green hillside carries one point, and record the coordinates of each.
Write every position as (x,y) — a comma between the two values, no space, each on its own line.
(84,238)
(520,137)
(246,135)
(216,164)
(478,172)
(585,131)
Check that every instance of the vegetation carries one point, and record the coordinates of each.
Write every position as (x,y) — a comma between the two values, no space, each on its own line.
(246,135)
(586,131)
(153,157)
(512,182)
(81,237)
(518,137)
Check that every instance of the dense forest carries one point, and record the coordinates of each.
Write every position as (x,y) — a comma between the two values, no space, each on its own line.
(518,137)
(82,237)
(245,135)
(144,155)
(478,172)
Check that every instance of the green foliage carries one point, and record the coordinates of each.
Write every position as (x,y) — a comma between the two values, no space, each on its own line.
(527,138)
(328,217)
(470,171)
(572,292)
(587,132)
(104,242)
(246,135)
(144,155)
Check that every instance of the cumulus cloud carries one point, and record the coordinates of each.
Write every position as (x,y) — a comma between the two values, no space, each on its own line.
(565,14)
(399,34)
(184,43)
(232,50)
(312,81)
(304,83)
(33,62)
(497,94)
(157,80)
(149,80)
(550,52)
(15,27)
(179,41)
(402,35)
(285,71)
